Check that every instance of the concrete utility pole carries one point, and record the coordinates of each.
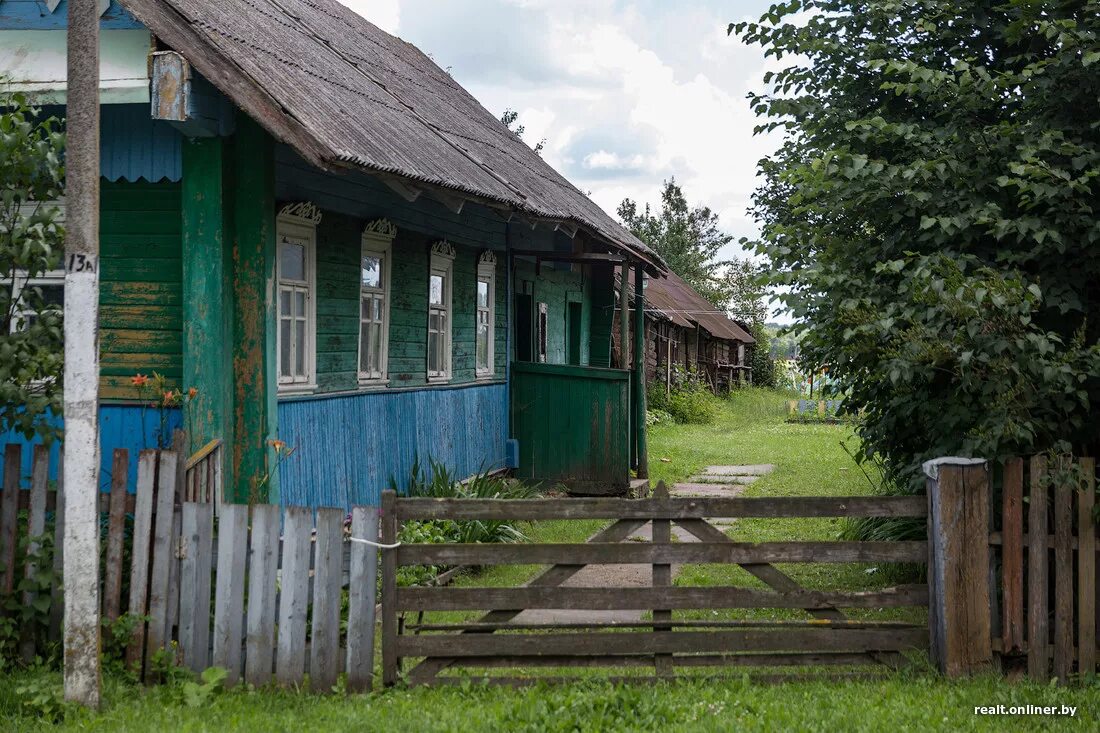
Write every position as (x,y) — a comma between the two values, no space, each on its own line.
(81,542)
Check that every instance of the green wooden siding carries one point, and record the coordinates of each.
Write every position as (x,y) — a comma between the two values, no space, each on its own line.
(141,314)
(557,286)
(572,424)
(338,248)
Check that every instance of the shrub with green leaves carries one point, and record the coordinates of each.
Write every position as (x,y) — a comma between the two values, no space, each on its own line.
(689,400)
(931,215)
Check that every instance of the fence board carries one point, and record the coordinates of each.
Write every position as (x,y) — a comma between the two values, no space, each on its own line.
(679,642)
(293,596)
(390,661)
(229,592)
(9,511)
(195,547)
(263,564)
(613,599)
(180,445)
(36,527)
(661,578)
(139,553)
(680,508)
(677,553)
(1037,636)
(57,606)
(162,553)
(116,534)
(1063,580)
(1086,571)
(362,582)
(1012,555)
(324,655)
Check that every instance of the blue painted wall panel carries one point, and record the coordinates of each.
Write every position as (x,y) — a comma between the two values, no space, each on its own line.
(347,447)
(120,426)
(132,145)
(33,15)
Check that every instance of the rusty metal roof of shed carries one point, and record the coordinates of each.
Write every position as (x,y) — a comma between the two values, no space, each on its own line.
(674,299)
(344,93)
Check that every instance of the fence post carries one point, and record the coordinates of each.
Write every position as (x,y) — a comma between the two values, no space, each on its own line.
(391,664)
(958,565)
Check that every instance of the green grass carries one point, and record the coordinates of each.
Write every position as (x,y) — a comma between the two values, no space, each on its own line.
(750,429)
(902,703)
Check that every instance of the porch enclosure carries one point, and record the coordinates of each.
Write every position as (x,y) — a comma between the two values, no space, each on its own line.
(441,630)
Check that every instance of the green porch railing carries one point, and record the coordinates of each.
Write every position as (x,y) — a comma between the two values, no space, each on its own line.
(573,426)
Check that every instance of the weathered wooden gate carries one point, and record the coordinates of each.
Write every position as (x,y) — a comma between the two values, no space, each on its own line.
(450,639)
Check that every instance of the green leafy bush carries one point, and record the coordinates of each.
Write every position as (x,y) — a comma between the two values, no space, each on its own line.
(688,401)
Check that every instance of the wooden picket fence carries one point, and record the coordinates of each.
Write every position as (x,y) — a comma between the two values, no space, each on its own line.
(1044,562)
(223,585)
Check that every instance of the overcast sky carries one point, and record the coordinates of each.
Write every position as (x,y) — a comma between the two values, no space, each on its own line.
(626,93)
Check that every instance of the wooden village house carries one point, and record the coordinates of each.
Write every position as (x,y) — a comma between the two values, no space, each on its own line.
(313,225)
(685,333)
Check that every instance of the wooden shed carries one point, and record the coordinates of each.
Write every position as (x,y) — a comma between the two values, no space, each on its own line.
(683,330)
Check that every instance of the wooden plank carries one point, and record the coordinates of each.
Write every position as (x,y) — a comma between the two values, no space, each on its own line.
(116,535)
(57,605)
(680,508)
(165,503)
(362,584)
(9,514)
(551,577)
(229,589)
(391,663)
(180,447)
(139,554)
(479,626)
(777,659)
(661,578)
(290,659)
(677,553)
(828,677)
(772,576)
(36,528)
(1012,555)
(612,599)
(196,541)
(263,563)
(679,642)
(1038,634)
(1063,577)
(1086,571)
(328,557)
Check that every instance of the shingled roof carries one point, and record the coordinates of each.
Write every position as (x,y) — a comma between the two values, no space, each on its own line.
(345,94)
(674,299)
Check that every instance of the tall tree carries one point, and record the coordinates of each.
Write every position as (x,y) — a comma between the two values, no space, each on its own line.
(932,212)
(510,118)
(688,238)
(32,242)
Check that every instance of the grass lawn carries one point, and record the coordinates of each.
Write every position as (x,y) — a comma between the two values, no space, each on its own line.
(750,429)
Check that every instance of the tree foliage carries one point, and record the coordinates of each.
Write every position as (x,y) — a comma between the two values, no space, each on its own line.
(31,243)
(688,238)
(932,213)
(510,118)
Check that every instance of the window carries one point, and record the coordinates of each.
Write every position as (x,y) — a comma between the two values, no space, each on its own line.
(296,238)
(439,311)
(540,337)
(51,284)
(374,302)
(486,314)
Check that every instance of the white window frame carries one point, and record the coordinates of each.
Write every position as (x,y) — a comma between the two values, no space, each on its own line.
(486,272)
(299,220)
(442,263)
(377,241)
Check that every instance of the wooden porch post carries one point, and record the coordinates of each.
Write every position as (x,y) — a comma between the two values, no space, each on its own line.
(958,564)
(639,371)
(255,382)
(207,297)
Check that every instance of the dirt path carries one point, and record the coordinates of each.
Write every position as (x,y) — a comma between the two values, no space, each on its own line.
(713,481)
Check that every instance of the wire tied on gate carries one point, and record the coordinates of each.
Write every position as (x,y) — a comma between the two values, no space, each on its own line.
(372,543)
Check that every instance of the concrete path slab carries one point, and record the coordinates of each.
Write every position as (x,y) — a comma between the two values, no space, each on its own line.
(714,478)
(717,490)
(759,469)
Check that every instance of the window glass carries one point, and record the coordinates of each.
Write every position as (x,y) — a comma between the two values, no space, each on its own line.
(482,294)
(372,271)
(292,259)
(435,289)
